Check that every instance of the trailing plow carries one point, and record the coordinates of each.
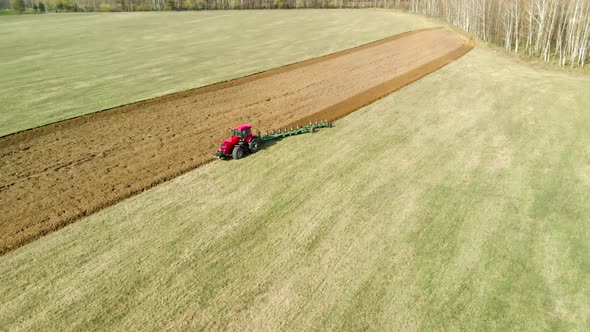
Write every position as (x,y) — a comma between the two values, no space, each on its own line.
(242,141)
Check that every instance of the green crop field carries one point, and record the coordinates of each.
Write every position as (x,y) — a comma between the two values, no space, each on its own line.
(54,67)
(459,202)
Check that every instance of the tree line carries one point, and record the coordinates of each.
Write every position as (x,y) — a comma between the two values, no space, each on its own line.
(181,5)
(554,30)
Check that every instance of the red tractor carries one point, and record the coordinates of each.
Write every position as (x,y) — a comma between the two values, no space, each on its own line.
(242,141)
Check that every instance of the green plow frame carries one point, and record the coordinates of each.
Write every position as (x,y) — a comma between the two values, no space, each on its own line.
(294,131)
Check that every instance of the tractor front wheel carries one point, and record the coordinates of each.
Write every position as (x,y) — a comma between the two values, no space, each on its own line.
(238,152)
(254,144)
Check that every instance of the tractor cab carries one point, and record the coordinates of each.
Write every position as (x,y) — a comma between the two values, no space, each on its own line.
(243,132)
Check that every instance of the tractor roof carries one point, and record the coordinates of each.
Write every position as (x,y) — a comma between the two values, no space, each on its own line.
(242,127)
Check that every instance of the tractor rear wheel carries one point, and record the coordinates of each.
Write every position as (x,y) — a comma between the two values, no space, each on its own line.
(254,144)
(238,152)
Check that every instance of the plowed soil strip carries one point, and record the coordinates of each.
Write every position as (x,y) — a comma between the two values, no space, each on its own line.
(53,175)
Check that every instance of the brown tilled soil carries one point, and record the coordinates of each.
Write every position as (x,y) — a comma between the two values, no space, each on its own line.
(53,175)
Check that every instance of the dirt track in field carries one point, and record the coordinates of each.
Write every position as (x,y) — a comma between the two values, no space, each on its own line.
(53,175)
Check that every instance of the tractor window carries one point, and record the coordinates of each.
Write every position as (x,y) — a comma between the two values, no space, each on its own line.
(242,133)
(246,133)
